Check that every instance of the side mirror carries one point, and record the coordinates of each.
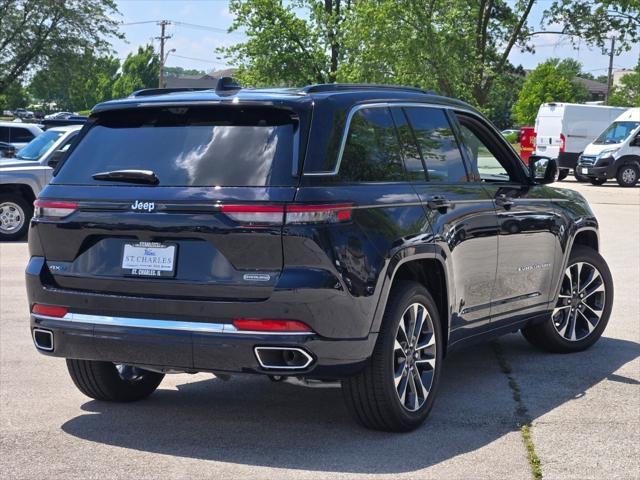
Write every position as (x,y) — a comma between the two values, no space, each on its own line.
(56,157)
(635,142)
(542,170)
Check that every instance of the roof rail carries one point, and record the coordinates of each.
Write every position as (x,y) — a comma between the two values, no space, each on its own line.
(145,92)
(332,87)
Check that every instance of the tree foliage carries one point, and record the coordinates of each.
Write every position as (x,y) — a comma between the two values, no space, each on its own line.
(139,70)
(76,81)
(34,32)
(14,96)
(551,81)
(627,94)
(597,21)
(288,44)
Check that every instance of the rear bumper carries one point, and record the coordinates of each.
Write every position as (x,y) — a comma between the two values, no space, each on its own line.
(118,329)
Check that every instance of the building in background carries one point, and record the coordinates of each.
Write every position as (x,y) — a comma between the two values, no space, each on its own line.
(208,80)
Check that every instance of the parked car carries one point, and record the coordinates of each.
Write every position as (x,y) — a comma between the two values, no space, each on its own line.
(563,130)
(615,153)
(18,134)
(59,115)
(350,232)
(22,178)
(23,113)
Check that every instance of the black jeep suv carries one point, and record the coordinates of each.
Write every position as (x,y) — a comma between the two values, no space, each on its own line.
(333,232)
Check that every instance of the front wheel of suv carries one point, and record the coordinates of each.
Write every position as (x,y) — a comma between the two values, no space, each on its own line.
(15,213)
(112,383)
(395,392)
(582,308)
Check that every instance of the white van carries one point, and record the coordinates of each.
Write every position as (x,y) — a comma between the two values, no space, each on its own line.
(563,130)
(615,153)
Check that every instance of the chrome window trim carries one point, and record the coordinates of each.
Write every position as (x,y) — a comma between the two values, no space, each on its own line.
(357,108)
(176,325)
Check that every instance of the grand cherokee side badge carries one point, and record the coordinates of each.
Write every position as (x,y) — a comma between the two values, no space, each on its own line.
(256,277)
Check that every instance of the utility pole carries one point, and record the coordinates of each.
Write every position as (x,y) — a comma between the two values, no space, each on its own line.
(163,24)
(610,74)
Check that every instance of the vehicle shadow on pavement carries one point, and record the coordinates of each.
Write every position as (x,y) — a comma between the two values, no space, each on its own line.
(252,421)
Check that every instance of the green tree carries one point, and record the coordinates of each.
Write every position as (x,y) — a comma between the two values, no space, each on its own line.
(597,21)
(288,44)
(76,81)
(33,32)
(14,96)
(551,81)
(139,70)
(627,94)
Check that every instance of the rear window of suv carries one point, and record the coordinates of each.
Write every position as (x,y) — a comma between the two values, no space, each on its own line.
(188,146)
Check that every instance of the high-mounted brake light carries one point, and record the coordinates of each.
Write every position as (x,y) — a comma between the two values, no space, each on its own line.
(318,213)
(255,214)
(270,325)
(53,209)
(49,310)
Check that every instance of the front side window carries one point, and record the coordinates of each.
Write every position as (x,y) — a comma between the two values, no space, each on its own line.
(488,165)
(437,144)
(372,151)
(4,134)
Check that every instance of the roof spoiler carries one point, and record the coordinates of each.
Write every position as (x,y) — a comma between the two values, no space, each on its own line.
(224,84)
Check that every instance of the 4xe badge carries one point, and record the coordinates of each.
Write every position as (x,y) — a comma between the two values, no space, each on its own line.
(143,207)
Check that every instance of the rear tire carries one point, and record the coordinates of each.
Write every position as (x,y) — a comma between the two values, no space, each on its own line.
(577,322)
(104,381)
(388,394)
(627,175)
(562,174)
(15,214)
(597,181)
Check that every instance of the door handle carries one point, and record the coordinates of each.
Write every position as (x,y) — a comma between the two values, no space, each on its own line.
(438,202)
(503,201)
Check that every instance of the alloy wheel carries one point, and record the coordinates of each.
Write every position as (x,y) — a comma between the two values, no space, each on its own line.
(628,175)
(581,302)
(414,357)
(11,217)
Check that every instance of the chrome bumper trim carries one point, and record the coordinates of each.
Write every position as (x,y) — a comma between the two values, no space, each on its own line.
(176,325)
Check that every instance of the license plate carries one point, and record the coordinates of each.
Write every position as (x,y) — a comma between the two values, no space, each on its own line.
(149,259)
(584,171)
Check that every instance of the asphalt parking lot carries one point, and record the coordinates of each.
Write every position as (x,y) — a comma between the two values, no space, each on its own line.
(584,409)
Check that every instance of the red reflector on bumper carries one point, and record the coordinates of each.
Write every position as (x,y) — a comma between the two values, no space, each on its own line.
(49,310)
(257,325)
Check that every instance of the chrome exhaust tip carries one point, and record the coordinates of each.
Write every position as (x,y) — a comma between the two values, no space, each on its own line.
(43,339)
(283,358)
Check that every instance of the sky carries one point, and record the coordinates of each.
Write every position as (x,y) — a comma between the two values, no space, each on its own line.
(195,46)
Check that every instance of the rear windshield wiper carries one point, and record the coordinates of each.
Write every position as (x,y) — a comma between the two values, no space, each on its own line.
(131,176)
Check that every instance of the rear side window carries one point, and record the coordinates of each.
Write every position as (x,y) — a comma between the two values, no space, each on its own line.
(4,134)
(371,152)
(222,146)
(437,144)
(21,135)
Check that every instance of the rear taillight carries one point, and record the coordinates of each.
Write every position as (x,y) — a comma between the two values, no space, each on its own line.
(318,213)
(255,214)
(53,209)
(49,310)
(563,142)
(270,325)
(291,214)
